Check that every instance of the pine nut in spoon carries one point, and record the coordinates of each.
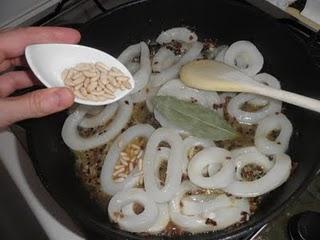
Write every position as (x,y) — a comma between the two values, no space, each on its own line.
(87,71)
(217,76)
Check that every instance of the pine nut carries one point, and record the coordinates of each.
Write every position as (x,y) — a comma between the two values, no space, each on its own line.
(101,67)
(133,159)
(119,180)
(79,79)
(123,162)
(110,96)
(122,78)
(82,66)
(92,97)
(127,85)
(77,93)
(135,146)
(69,82)
(95,81)
(104,78)
(86,82)
(92,86)
(83,91)
(71,73)
(140,154)
(90,74)
(122,87)
(130,167)
(108,86)
(98,93)
(114,74)
(115,173)
(111,80)
(118,167)
(124,175)
(64,74)
(77,87)
(76,75)
(107,91)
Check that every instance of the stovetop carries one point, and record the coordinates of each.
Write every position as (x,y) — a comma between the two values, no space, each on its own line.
(75,13)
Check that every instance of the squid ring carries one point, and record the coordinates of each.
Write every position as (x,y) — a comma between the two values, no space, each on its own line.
(206,157)
(72,138)
(101,118)
(188,144)
(162,219)
(133,222)
(179,34)
(235,104)
(107,183)
(245,56)
(174,173)
(249,155)
(281,143)
(276,176)
(173,71)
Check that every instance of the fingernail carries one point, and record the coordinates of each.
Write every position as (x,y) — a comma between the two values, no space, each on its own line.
(58,99)
(65,97)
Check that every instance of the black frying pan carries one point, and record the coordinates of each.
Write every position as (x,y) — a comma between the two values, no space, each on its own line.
(229,21)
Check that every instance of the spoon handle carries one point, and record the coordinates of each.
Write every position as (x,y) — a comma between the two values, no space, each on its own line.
(289,97)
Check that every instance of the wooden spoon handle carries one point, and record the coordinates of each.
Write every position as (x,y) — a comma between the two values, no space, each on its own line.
(289,97)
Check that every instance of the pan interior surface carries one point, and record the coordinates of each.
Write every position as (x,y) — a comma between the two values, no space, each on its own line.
(228,21)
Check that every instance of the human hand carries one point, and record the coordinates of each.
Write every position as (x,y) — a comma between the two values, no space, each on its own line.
(37,103)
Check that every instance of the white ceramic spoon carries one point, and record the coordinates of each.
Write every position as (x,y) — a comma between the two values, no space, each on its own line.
(217,76)
(47,61)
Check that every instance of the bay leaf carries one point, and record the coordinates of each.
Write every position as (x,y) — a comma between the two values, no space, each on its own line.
(197,120)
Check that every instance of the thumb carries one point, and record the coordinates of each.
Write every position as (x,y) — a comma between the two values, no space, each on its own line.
(35,104)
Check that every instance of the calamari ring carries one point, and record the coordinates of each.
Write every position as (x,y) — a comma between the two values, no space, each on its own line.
(206,157)
(133,222)
(275,177)
(162,219)
(245,56)
(174,173)
(268,80)
(101,118)
(220,52)
(249,155)
(129,53)
(142,75)
(72,138)
(172,72)
(225,213)
(179,34)
(189,143)
(107,183)
(244,117)
(274,122)
(163,59)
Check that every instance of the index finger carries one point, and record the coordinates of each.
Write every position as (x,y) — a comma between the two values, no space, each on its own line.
(13,43)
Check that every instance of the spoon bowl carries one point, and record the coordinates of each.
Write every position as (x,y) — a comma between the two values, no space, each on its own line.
(47,61)
(217,76)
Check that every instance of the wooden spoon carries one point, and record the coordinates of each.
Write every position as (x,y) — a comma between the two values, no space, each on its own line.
(217,76)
